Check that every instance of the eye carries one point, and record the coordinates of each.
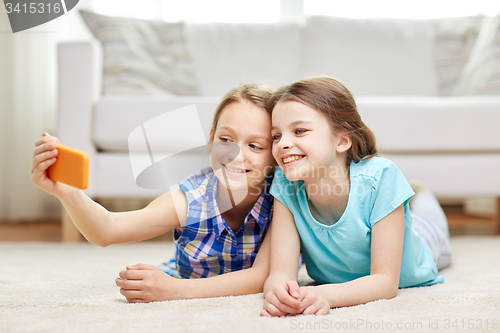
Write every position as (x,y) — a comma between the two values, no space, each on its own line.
(276,137)
(255,147)
(224,139)
(300,131)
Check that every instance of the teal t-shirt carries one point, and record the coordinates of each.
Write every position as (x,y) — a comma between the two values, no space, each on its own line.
(341,252)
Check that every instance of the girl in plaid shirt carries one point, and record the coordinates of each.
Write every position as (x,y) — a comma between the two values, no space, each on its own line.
(220,215)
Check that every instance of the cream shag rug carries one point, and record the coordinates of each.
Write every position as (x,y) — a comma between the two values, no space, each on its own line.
(55,287)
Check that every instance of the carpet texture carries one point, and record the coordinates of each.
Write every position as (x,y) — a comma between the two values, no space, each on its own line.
(55,287)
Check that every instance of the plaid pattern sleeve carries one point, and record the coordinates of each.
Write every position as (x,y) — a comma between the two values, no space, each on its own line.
(207,246)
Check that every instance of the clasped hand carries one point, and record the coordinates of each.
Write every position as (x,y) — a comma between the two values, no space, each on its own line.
(286,297)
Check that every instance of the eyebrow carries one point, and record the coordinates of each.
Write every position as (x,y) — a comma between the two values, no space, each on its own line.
(230,129)
(294,123)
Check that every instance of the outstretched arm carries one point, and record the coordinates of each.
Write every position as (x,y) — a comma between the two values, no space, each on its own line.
(97,224)
(145,283)
(383,281)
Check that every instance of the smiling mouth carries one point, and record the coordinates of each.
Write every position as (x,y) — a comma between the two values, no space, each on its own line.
(291,159)
(241,171)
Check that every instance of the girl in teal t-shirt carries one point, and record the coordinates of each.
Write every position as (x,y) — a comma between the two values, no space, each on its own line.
(344,208)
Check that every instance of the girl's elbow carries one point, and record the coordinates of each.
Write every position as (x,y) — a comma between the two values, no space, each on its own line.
(389,293)
(388,287)
(392,290)
(102,244)
(100,241)
(108,236)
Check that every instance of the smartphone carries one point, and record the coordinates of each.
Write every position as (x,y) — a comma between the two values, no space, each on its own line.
(71,167)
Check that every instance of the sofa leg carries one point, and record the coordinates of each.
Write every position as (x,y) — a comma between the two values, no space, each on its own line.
(70,234)
(497,216)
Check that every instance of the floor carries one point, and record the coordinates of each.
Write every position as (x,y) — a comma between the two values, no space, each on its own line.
(50,230)
(43,231)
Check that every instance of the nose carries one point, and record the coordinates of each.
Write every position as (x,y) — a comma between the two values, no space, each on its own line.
(240,157)
(284,143)
(237,155)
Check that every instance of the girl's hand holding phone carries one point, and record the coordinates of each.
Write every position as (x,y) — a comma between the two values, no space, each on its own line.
(72,169)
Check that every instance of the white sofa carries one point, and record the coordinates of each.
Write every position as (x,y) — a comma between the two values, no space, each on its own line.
(450,143)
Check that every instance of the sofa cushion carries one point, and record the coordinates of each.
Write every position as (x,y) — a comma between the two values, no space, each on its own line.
(481,75)
(143,57)
(372,56)
(418,124)
(226,55)
(115,118)
(454,39)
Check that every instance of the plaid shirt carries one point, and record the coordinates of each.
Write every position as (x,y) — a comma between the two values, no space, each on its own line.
(207,246)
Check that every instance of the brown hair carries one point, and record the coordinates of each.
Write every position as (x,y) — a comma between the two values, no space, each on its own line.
(253,93)
(335,101)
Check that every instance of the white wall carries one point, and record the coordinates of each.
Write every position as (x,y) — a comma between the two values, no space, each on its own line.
(28,107)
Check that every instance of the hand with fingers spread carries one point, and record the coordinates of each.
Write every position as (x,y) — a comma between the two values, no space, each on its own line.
(143,283)
(44,156)
(313,301)
(282,299)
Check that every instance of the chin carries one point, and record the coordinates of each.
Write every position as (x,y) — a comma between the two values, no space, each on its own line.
(293,174)
(235,183)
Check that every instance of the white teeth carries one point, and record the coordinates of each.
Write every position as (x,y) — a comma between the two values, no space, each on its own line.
(237,171)
(292,158)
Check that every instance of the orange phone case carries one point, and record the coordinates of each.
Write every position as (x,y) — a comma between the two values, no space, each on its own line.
(71,167)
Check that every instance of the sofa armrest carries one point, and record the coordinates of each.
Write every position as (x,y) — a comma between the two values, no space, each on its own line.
(79,77)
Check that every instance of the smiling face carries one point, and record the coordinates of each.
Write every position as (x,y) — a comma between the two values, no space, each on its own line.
(304,145)
(241,146)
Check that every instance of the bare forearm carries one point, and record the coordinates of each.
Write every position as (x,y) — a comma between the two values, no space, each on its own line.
(360,291)
(285,248)
(93,220)
(244,282)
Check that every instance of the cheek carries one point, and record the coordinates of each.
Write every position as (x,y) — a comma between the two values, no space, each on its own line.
(262,163)
(215,159)
(224,152)
(275,151)
(271,162)
(262,160)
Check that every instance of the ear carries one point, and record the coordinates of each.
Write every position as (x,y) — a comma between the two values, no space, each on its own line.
(344,144)
(210,140)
